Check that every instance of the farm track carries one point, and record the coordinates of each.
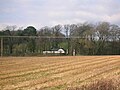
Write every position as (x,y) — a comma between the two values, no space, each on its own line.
(55,72)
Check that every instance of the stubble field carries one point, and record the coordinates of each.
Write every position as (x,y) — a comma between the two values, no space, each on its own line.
(55,73)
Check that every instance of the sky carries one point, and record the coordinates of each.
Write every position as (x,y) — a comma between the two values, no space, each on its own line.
(40,13)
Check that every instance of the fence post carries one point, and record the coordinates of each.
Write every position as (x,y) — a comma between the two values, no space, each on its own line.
(1,47)
(74,52)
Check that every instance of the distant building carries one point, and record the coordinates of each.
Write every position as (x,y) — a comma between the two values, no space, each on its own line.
(59,51)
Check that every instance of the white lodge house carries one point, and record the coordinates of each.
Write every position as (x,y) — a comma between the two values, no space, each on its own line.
(55,51)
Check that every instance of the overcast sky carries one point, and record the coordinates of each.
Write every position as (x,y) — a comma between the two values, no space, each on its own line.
(41,13)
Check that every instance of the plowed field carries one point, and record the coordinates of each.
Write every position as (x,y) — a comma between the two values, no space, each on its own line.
(55,73)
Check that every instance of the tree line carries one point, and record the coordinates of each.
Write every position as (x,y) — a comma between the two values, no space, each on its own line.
(101,38)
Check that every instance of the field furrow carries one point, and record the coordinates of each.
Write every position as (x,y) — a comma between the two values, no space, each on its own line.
(29,73)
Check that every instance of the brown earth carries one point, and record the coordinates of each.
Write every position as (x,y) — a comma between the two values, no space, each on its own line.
(55,73)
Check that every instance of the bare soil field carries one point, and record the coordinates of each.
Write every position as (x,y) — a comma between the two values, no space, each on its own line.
(55,73)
